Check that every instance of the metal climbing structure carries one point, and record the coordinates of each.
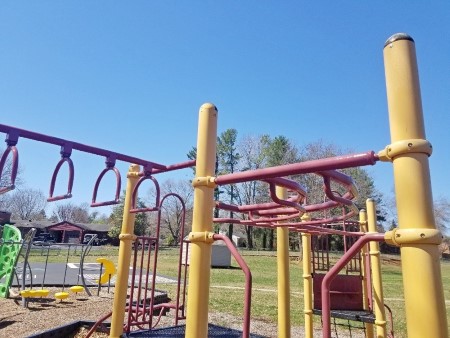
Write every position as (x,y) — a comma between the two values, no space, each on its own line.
(355,276)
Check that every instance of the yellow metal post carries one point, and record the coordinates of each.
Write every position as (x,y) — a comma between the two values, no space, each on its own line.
(417,235)
(307,281)
(378,297)
(200,258)
(123,266)
(284,311)
(364,267)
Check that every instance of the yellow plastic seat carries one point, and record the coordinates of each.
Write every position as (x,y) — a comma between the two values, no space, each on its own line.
(33,293)
(42,293)
(25,293)
(61,295)
(76,289)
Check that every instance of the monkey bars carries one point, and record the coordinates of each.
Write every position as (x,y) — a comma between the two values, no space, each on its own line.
(12,138)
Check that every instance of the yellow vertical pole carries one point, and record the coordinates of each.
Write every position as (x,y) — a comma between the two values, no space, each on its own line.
(307,281)
(374,250)
(417,235)
(364,252)
(200,259)
(126,238)
(284,293)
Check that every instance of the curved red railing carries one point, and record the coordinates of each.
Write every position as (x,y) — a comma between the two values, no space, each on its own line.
(14,166)
(134,209)
(110,166)
(248,282)
(332,273)
(63,160)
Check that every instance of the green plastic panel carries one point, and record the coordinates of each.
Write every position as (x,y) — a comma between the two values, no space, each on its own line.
(9,252)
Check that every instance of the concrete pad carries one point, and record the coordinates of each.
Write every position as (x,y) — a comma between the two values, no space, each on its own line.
(60,274)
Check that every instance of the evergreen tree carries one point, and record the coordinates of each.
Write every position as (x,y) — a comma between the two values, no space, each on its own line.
(228,158)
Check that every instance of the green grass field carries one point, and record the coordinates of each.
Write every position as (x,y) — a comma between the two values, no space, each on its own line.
(227,289)
(227,284)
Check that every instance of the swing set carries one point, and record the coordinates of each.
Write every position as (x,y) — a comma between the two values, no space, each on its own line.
(346,287)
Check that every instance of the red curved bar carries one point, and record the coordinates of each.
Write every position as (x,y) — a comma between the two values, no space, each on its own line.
(14,166)
(308,208)
(274,219)
(134,195)
(257,208)
(97,184)
(288,184)
(344,180)
(69,185)
(183,220)
(276,199)
(331,274)
(248,282)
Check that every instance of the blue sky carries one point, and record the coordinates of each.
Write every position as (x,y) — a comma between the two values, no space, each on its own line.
(131,76)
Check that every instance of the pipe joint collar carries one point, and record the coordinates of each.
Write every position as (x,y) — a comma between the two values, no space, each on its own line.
(127,237)
(206,181)
(399,237)
(403,147)
(205,237)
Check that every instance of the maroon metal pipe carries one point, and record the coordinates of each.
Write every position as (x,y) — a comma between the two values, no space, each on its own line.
(331,163)
(52,198)
(97,323)
(130,308)
(287,203)
(248,282)
(288,184)
(300,227)
(272,219)
(14,166)
(97,184)
(254,207)
(173,167)
(332,196)
(332,273)
(149,242)
(78,146)
(180,253)
(134,195)
(337,176)
(308,208)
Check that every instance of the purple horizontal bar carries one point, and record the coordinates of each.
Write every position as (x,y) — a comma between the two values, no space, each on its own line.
(175,166)
(78,146)
(331,163)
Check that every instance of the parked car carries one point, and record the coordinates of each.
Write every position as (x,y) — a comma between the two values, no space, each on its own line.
(97,240)
(44,239)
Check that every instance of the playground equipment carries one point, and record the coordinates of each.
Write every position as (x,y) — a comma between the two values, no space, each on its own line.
(10,246)
(29,276)
(144,301)
(63,294)
(110,270)
(288,210)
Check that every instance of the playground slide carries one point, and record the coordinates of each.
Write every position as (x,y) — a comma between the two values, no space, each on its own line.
(9,252)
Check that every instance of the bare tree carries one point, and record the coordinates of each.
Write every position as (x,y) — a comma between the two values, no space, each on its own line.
(253,157)
(441,207)
(71,212)
(172,211)
(27,204)
(442,213)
